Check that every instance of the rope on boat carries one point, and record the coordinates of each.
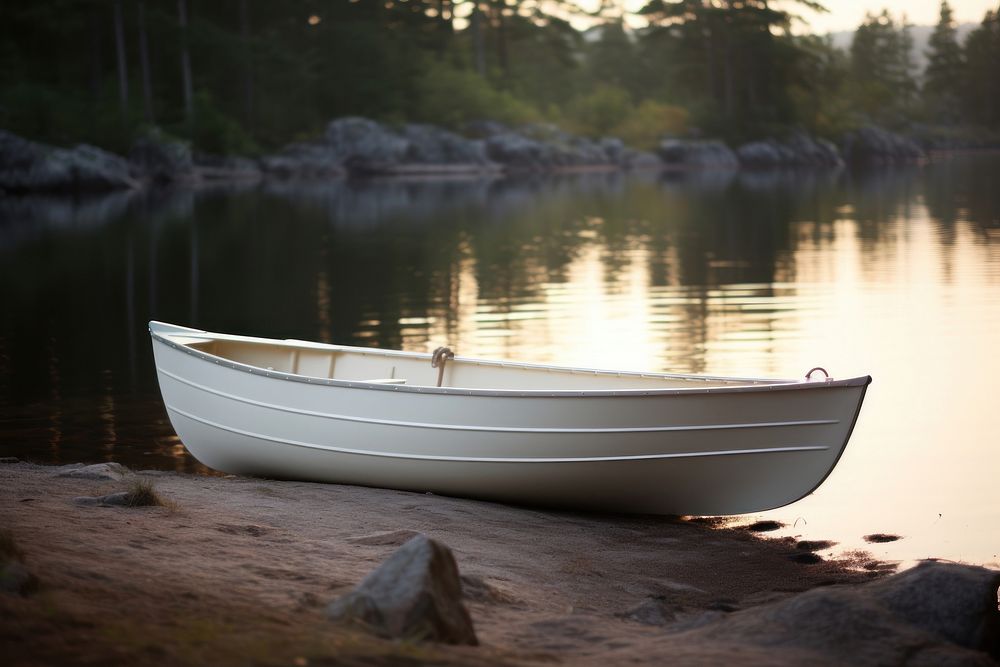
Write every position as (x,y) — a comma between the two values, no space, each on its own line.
(439,358)
(818,368)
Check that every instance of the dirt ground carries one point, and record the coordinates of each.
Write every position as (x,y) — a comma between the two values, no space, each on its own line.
(239,571)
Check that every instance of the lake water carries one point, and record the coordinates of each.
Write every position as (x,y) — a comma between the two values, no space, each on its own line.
(893,273)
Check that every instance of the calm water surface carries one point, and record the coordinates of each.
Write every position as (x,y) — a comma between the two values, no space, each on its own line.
(890,273)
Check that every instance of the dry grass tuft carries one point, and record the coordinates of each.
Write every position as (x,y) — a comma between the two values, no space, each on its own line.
(143,493)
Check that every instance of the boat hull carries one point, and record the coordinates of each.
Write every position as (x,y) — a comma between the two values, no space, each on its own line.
(691,452)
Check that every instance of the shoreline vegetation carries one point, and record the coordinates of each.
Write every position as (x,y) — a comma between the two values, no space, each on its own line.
(231,570)
(355,147)
(189,91)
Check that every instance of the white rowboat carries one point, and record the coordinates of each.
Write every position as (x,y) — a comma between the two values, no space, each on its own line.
(510,432)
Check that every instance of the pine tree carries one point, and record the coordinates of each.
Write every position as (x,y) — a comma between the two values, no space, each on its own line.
(882,70)
(945,65)
(981,84)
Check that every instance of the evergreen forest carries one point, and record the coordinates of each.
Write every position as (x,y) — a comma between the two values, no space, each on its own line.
(246,76)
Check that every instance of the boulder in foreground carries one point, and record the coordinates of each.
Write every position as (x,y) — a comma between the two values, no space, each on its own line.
(415,594)
(933,614)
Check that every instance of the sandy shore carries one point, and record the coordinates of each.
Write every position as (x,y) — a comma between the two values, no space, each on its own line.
(239,571)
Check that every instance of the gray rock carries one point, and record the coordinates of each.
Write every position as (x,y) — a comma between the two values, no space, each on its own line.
(9,459)
(26,166)
(15,578)
(633,159)
(651,611)
(614,149)
(427,144)
(111,471)
(546,133)
(365,147)
(160,158)
(362,145)
(589,152)
(483,129)
(303,161)
(415,594)
(517,151)
(226,168)
(797,150)
(697,154)
(560,155)
(120,499)
(953,602)
(874,145)
(812,151)
(761,154)
(543,147)
(934,612)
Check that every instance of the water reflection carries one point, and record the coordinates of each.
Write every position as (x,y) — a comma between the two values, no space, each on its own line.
(889,272)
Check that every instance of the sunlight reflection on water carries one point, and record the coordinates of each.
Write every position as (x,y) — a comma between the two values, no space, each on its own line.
(920,315)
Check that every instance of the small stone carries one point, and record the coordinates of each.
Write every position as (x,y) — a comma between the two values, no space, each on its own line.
(651,611)
(806,558)
(814,545)
(416,594)
(764,526)
(111,471)
(120,499)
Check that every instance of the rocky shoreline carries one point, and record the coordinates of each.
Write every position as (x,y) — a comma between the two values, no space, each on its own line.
(103,565)
(359,147)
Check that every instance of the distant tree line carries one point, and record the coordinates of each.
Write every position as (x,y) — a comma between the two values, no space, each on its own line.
(243,76)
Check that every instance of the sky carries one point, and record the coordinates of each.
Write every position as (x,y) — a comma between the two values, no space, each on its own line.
(842,15)
(848,14)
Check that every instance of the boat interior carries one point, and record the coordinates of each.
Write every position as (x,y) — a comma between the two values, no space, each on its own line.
(376,366)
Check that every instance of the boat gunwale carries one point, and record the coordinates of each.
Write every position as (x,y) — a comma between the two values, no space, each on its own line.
(493,429)
(762,385)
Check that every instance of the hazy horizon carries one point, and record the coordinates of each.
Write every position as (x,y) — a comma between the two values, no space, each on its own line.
(846,15)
